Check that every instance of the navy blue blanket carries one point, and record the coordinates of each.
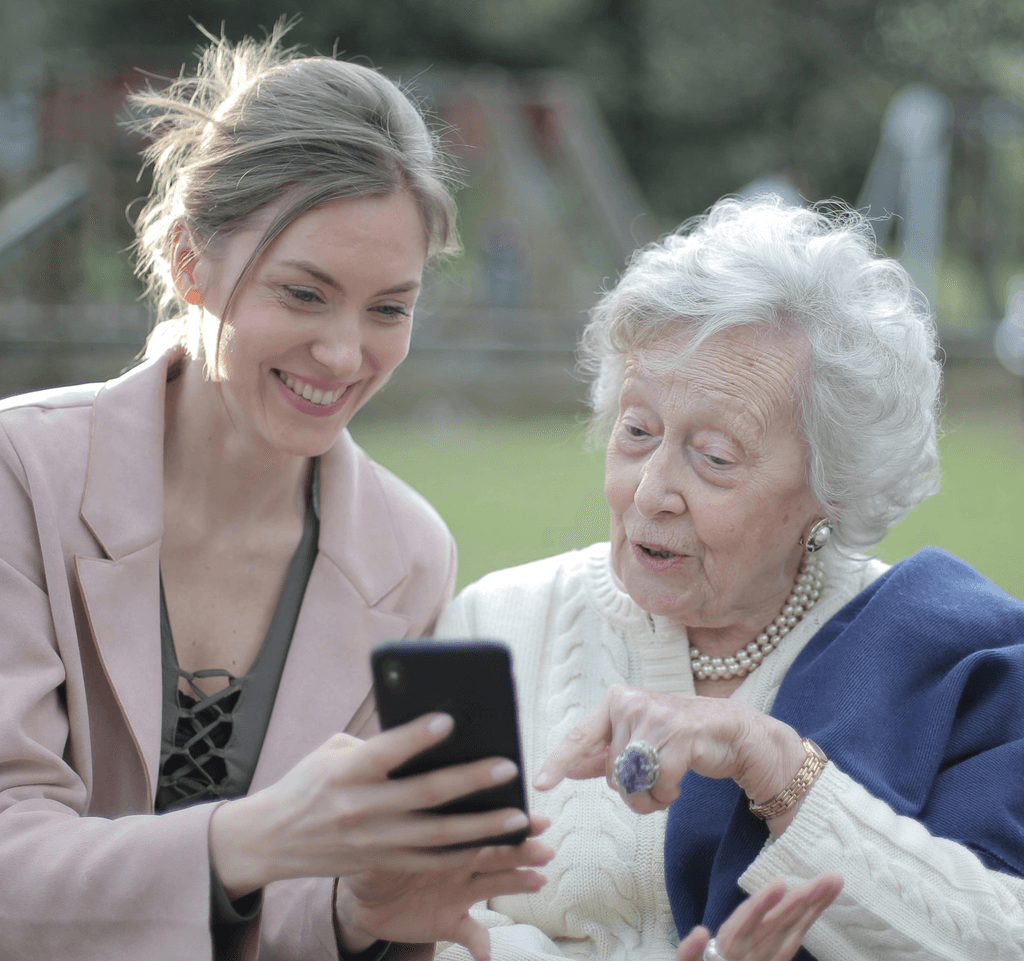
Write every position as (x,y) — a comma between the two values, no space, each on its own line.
(916,690)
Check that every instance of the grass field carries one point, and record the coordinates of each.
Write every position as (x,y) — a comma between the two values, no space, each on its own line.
(513,492)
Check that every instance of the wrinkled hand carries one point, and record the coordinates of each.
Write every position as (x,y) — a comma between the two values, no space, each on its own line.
(715,737)
(769,925)
(434,906)
(336,813)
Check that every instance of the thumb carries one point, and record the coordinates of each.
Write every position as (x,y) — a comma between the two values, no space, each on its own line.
(474,936)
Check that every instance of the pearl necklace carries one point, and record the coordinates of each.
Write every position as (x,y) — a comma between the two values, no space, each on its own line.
(806,591)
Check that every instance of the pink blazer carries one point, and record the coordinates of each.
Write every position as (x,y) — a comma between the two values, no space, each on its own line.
(86,870)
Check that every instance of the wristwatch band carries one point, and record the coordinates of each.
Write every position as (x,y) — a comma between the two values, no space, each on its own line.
(788,797)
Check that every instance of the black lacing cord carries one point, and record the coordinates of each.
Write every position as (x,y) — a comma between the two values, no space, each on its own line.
(195,767)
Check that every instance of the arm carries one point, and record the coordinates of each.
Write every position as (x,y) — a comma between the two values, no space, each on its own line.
(908,894)
(769,926)
(58,865)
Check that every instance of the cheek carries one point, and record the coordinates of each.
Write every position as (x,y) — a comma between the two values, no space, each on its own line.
(619,487)
(390,349)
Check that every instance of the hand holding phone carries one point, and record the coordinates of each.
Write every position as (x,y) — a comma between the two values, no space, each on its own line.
(472,681)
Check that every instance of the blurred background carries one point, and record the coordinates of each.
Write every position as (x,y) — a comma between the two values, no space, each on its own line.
(584,129)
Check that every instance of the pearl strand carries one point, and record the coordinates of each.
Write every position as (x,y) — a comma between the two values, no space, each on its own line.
(806,592)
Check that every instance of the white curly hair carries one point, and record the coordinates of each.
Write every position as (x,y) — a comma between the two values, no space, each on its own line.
(869,405)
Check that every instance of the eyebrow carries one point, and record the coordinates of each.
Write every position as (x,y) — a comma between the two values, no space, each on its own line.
(326,278)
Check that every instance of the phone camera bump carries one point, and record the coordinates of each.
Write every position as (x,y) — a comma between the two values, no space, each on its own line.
(391,673)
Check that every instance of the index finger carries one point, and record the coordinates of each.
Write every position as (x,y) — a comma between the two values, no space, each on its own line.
(584,751)
(383,752)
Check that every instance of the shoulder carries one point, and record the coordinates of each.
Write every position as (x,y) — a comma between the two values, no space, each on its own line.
(419,528)
(78,395)
(933,589)
(24,415)
(385,537)
(926,627)
(549,577)
(409,508)
(537,599)
(45,434)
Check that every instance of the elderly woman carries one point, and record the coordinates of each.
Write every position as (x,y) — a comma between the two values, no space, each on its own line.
(765,700)
(195,560)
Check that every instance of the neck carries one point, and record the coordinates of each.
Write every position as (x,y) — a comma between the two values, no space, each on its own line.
(737,654)
(222,474)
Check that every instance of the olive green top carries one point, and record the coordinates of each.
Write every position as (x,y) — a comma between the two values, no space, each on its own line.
(210,743)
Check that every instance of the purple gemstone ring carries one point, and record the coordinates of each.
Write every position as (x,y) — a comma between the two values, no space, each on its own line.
(637,768)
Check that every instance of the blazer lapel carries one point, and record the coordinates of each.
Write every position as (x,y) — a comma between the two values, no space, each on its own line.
(122,605)
(345,613)
(327,675)
(123,507)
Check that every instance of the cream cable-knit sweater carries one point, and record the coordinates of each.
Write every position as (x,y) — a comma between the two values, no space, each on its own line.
(574,633)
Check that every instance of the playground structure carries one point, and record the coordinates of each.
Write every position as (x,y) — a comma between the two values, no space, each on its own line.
(548,217)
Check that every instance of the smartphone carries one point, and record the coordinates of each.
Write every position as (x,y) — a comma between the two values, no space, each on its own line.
(472,681)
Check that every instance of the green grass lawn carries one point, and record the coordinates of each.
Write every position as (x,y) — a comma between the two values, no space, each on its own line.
(513,492)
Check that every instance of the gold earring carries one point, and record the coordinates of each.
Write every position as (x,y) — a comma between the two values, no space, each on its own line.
(193,295)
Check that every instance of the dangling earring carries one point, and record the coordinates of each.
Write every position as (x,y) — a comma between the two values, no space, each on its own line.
(193,295)
(819,535)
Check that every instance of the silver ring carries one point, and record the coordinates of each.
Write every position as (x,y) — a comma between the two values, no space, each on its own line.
(711,952)
(637,768)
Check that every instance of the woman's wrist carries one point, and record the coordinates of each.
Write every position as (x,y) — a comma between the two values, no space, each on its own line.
(351,938)
(775,758)
(236,848)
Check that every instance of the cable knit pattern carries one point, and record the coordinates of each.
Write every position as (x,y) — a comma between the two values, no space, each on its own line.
(574,633)
(908,895)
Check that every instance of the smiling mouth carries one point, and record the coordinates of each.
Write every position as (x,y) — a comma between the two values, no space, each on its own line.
(322,398)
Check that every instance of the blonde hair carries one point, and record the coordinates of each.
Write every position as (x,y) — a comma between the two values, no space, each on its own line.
(258,122)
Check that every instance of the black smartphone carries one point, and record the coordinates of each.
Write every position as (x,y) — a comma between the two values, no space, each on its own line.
(472,681)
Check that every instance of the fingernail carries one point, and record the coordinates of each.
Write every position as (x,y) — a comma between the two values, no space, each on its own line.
(543,781)
(516,821)
(440,724)
(503,770)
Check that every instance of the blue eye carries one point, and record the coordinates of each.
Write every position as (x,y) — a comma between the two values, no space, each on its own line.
(635,431)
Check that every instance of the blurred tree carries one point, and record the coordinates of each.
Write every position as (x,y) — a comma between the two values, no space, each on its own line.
(703,97)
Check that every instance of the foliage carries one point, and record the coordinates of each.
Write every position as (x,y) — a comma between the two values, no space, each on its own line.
(703,96)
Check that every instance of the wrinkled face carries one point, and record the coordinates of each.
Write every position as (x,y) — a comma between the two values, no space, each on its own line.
(321,322)
(705,476)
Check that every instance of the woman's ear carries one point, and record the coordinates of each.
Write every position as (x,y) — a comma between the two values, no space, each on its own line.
(183,262)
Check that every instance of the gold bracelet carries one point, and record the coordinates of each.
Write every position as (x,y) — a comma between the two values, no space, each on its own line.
(788,797)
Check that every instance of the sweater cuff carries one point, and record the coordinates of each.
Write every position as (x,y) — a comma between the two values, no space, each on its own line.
(225,911)
(799,855)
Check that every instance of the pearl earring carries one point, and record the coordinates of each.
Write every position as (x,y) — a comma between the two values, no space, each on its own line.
(819,535)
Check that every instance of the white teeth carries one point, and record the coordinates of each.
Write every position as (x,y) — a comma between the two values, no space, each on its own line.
(319,397)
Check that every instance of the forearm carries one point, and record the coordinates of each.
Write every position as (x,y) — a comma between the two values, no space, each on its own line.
(907,894)
(132,887)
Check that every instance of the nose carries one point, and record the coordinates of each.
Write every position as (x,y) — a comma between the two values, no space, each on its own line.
(338,345)
(659,490)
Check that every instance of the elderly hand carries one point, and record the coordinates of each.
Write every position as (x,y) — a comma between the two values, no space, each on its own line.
(336,813)
(434,906)
(769,925)
(715,737)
